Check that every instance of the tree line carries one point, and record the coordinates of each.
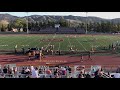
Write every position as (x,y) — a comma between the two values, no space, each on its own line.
(91,26)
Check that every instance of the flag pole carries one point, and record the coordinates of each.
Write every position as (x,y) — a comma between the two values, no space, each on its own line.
(86,22)
(27,23)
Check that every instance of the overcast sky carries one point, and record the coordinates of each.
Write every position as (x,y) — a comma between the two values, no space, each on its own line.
(106,15)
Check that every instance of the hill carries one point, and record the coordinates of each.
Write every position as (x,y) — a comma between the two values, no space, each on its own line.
(72,19)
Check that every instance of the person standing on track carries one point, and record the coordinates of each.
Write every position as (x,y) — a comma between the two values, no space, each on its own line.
(89,56)
(29,55)
(59,52)
(81,58)
(40,57)
(34,52)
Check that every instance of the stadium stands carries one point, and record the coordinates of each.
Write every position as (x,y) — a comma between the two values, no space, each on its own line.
(61,30)
(53,72)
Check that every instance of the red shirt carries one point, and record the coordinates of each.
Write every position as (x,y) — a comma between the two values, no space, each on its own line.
(48,72)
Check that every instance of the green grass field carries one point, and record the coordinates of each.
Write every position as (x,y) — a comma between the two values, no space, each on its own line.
(79,42)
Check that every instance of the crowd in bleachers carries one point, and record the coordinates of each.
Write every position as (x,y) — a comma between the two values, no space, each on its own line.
(53,72)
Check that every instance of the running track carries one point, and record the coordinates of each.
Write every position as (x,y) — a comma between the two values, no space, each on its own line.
(61,60)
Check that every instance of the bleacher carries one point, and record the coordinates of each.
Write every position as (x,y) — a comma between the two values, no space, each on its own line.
(43,74)
(61,30)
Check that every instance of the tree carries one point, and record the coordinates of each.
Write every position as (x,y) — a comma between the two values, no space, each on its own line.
(2,28)
(63,22)
(19,23)
(9,27)
(3,25)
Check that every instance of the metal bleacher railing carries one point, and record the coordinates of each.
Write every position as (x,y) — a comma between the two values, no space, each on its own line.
(111,69)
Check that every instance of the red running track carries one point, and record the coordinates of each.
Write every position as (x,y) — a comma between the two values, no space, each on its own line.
(61,60)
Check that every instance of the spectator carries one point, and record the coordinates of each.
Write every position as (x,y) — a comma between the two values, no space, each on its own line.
(69,69)
(0,70)
(40,71)
(5,70)
(27,71)
(63,71)
(9,71)
(49,73)
(99,74)
(34,72)
(116,75)
(81,75)
(23,71)
(87,76)
(57,76)
(14,70)
(82,69)
(56,71)
(118,69)
(108,73)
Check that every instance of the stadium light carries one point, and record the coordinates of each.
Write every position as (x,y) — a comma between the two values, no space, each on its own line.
(86,23)
(27,23)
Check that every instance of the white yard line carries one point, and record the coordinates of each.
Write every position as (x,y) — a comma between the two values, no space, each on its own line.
(102,43)
(59,46)
(69,41)
(38,42)
(11,43)
(82,45)
(97,42)
(28,43)
(89,42)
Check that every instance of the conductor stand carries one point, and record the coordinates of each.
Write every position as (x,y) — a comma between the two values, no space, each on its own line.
(57,27)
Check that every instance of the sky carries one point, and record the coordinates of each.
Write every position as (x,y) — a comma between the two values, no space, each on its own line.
(105,15)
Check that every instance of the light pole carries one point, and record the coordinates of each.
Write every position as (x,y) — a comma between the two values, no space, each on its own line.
(27,23)
(86,22)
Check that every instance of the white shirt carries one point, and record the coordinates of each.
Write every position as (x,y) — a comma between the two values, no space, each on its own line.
(27,70)
(34,73)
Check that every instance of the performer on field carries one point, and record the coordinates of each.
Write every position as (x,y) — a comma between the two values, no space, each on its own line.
(15,49)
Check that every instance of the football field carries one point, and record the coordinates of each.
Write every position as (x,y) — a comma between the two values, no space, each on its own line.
(60,42)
